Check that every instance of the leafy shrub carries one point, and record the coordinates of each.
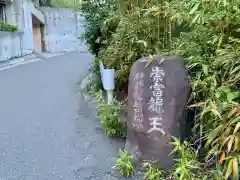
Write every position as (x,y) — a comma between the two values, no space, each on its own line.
(187,162)
(211,48)
(110,117)
(7,27)
(125,164)
(95,12)
(61,3)
(138,34)
(153,173)
(95,86)
(187,165)
(45,3)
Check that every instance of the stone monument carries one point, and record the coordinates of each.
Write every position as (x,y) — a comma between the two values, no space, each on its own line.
(157,95)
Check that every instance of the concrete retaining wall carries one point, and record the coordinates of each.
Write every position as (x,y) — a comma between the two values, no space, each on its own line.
(16,44)
(63,26)
(10,45)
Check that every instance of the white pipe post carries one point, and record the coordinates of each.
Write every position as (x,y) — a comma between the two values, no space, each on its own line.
(110,96)
(109,83)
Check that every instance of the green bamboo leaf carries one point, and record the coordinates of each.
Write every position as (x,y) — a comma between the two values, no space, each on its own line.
(195,8)
(236,142)
(218,94)
(233,95)
(205,69)
(150,59)
(224,2)
(225,89)
(236,69)
(229,169)
(237,77)
(195,18)
(213,134)
(235,169)
(214,110)
(236,119)
(231,113)
(220,42)
(142,42)
(225,141)
(236,128)
(230,143)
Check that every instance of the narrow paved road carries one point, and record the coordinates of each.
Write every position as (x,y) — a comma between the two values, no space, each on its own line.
(47,131)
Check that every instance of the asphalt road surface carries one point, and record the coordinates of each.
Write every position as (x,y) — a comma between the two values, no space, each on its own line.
(47,130)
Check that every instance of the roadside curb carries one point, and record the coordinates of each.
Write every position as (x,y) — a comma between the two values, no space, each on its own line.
(27,59)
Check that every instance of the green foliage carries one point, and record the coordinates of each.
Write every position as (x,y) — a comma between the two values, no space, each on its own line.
(75,4)
(187,165)
(7,27)
(96,85)
(139,33)
(95,12)
(153,173)
(210,44)
(211,50)
(125,164)
(187,162)
(110,117)
(45,3)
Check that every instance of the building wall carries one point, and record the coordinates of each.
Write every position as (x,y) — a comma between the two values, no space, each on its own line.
(15,44)
(63,26)
(14,13)
(28,45)
(21,43)
(10,45)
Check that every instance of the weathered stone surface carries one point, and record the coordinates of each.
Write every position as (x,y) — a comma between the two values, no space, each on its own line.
(157,96)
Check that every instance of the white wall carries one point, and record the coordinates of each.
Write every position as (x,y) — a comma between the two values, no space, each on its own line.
(10,45)
(16,44)
(63,26)
(28,44)
(14,13)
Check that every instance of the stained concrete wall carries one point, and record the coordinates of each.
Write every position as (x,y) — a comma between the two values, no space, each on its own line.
(28,11)
(14,13)
(10,45)
(19,43)
(16,44)
(28,43)
(63,26)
